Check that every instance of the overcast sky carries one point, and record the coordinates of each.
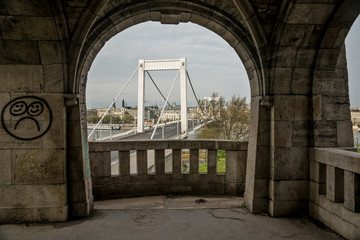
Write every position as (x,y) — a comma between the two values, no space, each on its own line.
(210,61)
(212,64)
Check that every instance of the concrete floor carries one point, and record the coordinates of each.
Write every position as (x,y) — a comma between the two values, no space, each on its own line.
(176,217)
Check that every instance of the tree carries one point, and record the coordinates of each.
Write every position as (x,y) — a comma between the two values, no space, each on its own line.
(127,118)
(229,120)
(92,119)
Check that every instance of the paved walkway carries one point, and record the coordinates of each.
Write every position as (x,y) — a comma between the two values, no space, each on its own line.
(171,218)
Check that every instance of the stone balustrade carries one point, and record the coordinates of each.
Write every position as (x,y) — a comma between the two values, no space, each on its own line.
(126,182)
(335,190)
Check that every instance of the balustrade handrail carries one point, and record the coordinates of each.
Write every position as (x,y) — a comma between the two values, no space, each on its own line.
(334,189)
(340,158)
(125,145)
(144,181)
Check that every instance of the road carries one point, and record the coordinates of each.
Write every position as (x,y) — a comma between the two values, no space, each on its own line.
(170,131)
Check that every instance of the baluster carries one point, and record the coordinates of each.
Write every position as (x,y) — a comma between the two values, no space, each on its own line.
(352,191)
(141,162)
(160,161)
(322,178)
(334,184)
(124,163)
(176,161)
(232,166)
(212,161)
(194,161)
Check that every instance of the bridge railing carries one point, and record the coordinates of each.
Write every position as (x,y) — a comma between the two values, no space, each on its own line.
(335,190)
(183,177)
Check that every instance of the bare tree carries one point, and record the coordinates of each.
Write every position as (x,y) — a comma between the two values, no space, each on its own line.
(228,120)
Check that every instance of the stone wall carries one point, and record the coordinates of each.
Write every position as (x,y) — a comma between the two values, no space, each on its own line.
(33,132)
(293,52)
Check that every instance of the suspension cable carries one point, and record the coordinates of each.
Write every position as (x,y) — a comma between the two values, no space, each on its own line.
(166,101)
(114,100)
(161,93)
(197,100)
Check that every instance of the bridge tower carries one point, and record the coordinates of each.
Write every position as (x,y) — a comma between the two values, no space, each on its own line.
(164,64)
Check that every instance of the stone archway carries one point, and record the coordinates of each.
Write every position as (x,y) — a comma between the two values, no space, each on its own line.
(221,19)
(292,51)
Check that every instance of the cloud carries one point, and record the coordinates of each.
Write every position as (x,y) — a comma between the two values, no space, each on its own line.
(353,60)
(212,64)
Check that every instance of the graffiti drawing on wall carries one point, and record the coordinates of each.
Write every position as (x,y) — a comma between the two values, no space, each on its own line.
(26,118)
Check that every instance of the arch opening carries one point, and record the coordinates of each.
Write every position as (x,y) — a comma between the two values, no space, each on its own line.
(231,27)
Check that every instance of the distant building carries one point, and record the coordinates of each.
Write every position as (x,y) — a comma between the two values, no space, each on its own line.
(91,111)
(355,116)
(171,113)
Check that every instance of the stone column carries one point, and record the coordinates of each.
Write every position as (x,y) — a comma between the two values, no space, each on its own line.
(257,168)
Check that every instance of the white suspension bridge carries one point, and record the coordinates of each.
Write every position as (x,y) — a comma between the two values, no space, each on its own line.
(145,66)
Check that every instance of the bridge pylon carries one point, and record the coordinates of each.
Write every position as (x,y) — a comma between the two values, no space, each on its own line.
(164,64)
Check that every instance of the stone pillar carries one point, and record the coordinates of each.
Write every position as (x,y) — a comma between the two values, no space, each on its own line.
(183,97)
(141,96)
(257,168)
(289,164)
(79,173)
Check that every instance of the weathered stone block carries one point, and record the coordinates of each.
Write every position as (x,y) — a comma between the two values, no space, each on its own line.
(141,18)
(305,58)
(34,214)
(291,108)
(317,108)
(36,196)
(100,163)
(300,136)
(285,190)
(128,22)
(19,52)
(5,166)
(261,188)
(50,52)
(290,163)
(331,82)
(300,81)
(38,166)
(336,108)
(28,8)
(21,78)
(33,28)
(282,81)
(288,208)
(54,78)
(282,133)
(286,57)
(9,142)
(296,35)
(256,205)
(327,59)
(310,13)
(325,133)
(344,134)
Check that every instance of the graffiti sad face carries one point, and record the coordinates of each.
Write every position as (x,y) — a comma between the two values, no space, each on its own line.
(26,118)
